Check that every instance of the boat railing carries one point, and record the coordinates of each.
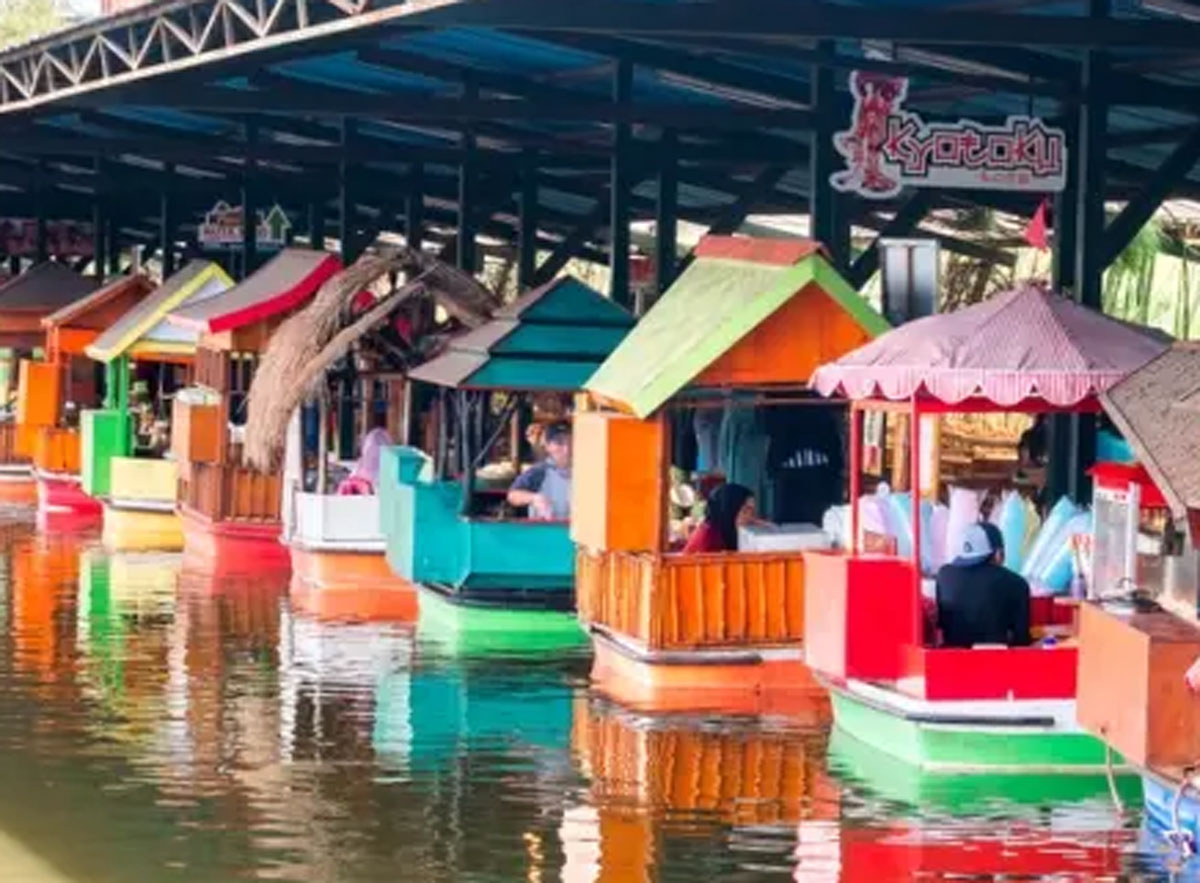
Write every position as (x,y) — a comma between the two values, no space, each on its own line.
(8,444)
(57,449)
(727,600)
(229,492)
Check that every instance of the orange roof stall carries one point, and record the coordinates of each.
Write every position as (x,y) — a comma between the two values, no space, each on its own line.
(65,375)
(742,328)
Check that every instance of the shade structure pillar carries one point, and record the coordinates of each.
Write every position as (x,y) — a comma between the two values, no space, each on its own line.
(467,261)
(527,222)
(1090,222)
(316,225)
(42,240)
(112,241)
(14,265)
(249,205)
(666,222)
(166,224)
(414,208)
(620,184)
(823,199)
(914,489)
(99,252)
(1066,243)
(350,245)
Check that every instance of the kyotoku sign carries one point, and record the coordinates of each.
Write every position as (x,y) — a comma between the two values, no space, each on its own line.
(887,148)
(222,227)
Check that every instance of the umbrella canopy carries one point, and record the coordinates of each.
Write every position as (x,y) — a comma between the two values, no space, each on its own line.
(1027,343)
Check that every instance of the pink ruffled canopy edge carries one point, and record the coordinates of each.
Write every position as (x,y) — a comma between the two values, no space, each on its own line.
(1021,344)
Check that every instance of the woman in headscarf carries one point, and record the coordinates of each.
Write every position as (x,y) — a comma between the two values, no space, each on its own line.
(364,480)
(729,507)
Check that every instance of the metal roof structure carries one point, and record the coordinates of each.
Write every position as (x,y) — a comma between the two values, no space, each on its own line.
(544,118)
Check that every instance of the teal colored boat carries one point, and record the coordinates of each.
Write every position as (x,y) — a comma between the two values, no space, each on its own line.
(1033,737)
(466,630)
(445,530)
(855,761)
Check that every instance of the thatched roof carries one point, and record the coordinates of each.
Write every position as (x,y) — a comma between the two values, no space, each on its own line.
(1151,409)
(304,347)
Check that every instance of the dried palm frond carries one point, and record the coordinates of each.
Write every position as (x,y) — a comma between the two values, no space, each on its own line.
(293,367)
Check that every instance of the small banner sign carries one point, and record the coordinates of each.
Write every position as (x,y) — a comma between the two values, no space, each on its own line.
(887,148)
(18,236)
(222,227)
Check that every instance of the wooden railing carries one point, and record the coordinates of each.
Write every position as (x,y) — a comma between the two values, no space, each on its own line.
(231,493)
(693,601)
(57,450)
(8,445)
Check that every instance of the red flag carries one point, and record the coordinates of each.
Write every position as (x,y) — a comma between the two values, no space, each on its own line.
(1035,233)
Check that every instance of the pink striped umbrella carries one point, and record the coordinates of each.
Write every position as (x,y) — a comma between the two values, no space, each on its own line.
(1025,343)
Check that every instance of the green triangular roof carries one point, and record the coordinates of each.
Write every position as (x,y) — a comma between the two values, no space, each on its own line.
(732,286)
(552,338)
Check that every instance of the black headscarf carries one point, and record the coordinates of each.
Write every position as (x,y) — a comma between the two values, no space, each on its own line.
(724,504)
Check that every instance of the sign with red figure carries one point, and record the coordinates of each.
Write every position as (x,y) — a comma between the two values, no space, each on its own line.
(887,148)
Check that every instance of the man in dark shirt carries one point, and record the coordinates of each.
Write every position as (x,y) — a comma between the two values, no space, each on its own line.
(979,600)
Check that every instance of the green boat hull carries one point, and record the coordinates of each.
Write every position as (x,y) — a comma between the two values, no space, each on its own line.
(461,629)
(856,762)
(967,747)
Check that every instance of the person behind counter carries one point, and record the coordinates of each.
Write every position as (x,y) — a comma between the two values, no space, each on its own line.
(544,490)
(729,507)
(980,601)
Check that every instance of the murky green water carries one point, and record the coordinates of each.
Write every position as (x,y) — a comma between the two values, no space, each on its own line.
(161,725)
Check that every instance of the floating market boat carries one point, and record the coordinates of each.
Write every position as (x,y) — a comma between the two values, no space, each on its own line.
(737,335)
(445,515)
(123,465)
(26,300)
(65,375)
(1136,688)
(354,344)
(981,710)
(230,511)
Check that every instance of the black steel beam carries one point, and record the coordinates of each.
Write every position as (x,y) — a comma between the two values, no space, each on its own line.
(1140,209)
(907,217)
(732,215)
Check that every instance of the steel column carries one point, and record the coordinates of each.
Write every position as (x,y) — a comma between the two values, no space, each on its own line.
(619,189)
(822,209)
(414,211)
(39,198)
(527,223)
(316,225)
(113,241)
(467,261)
(1066,235)
(167,227)
(249,207)
(98,222)
(350,249)
(666,222)
(1090,221)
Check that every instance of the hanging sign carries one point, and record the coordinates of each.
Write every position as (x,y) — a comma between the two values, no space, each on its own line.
(18,236)
(887,148)
(222,227)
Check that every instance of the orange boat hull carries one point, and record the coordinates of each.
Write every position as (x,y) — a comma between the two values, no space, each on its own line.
(736,683)
(350,585)
(18,490)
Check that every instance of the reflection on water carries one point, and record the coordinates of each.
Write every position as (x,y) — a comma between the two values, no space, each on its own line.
(158,723)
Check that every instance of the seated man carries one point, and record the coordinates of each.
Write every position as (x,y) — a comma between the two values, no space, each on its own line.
(979,601)
(544,490)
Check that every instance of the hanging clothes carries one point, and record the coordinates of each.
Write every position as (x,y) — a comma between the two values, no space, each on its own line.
(684,447)
(743,447)
(707,428)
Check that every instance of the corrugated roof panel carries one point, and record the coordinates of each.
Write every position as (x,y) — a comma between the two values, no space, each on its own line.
(343,70)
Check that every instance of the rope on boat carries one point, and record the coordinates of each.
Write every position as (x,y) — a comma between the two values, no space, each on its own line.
(1177,837)
(1110,774)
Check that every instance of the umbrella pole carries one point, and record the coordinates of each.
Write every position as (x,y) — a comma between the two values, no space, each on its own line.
(856,432)
(914,465)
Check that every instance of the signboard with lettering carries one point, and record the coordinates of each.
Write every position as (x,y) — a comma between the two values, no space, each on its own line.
(887,148)
(222,227)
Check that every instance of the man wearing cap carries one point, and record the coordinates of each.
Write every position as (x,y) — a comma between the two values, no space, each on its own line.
(544,490)
(979,600)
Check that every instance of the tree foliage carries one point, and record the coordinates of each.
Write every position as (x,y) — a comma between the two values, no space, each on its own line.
(22,20)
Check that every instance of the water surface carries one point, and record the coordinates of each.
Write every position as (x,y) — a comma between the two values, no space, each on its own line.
(159,724)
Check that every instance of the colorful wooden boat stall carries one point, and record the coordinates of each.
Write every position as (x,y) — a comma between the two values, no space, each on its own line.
(950,710)
(65,375)
(446,527)
(25,301)
(360,337)
(230,511)
(751,316)
(138,486)
(1140,638)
